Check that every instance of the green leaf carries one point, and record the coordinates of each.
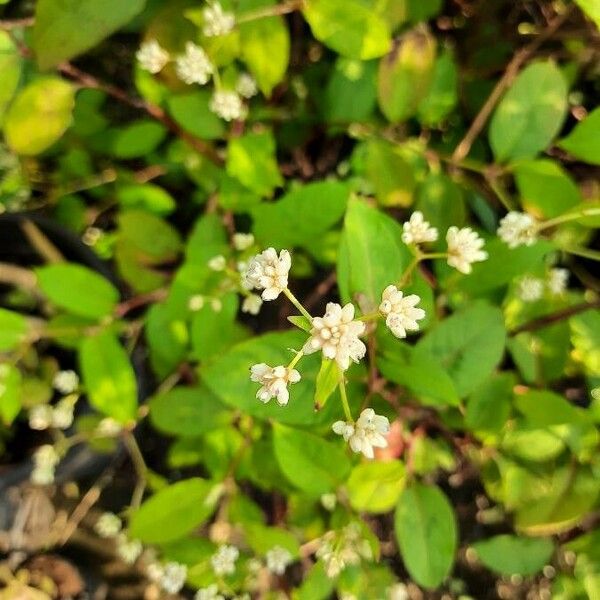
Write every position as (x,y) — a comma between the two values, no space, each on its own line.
(543,408)
(583,142)
(265,45)
(513,555)
(137,139)
(391,175)
(185,411)
(312,464)
(585,335)
(39,115)
(174,511)
(208,239)
(488,405)
(530,114)
(13,329)
(328,379)
(372,255)
(77,289)
(10,392)
(376,486)
(167,336)
(301,322)
(350,27)
(592,9)
(191,111)
(251,160)
(146,196)
(108,377)
(10,67)
(405,75)
(313,208)
(261,539)
(469,344)
(426,532)
(442,96)
(546,189)
(65,28)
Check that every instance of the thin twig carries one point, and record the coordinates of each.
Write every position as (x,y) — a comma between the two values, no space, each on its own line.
(45,248)
(519,58)
(19,277)
(137,301)
(320,291)
(11,24)
(555,317)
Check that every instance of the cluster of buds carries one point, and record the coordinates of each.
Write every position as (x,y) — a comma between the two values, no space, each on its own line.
(531,288)
(339,549)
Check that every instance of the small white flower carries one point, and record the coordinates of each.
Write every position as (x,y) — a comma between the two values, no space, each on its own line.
(223,562)
(108,427)
(336,333)
(155,571)
(194,66)
(216,20)
(517,229)
(209,593)
(557,281)
(216,305)
(269,272)
(367,433)
(217,263)
(329,501)
(400,312)
(228,105)
(278,559)
(66,382)
(530,289)
(274,382)
(152,57)
(196,302)
(62,414)
(91,236)
(398,591)
(45,460)
(108,525)
(417,230)
(40,417)
(173,577)
(246,86)
(128,550)
(242,241)
(252,304)
(464,248)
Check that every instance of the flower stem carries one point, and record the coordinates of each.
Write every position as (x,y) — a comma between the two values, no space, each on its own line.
(296,359)
(405,277)
(271,11)
(435,255)
(584,252)
(344,396)
(586,212)
(373,316)
(297,304)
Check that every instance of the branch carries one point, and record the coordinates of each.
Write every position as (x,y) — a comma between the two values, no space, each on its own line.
(555,317)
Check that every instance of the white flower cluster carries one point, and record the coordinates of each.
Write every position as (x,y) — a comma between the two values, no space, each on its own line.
(517,229)
(336,334)
(228,105)
(418,231)
(170,576)
(193,66)
(108,525)
(128,550)
(400,312)
(45,460)
(152,57)
(367,433)
(340,549)
(223,561)
(558,280)
(278,559)
(464,248)
(269,272)
(66,382)
(43,416)
(532,288)
(274,382)
(209,593)
(108,427)
(246,86)
(252,304)
(242,241)
(216,20)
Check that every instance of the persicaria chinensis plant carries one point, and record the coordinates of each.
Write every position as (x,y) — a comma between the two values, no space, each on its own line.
(299,300)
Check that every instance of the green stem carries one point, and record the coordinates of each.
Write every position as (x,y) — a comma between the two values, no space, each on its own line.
(270,11)
(435,255)
(369,317)
(296,359)
(342,386)
(584,252)
(297,304)
(405,277)
(140,467)
(589,212)
(501,194)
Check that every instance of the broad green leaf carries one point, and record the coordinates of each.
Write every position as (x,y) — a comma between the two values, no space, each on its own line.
(430,455)
(10,67)
(583,142)
(65,28)
(262,539)
(392,176)
(78,290)
(328,379)
(376,486)
(585,335)
(13,329)
(108,377)
(146,196)
(185,411)
(167,336)
(208,239)
(468,345)
(442,96)
(311,463)
(39,115)
(405,75)
(265,47)
(350,27)
(10,392)
(513,555)
(191,111)
(426,531)
(488,405)
(592,9)
(251,160)
(543,408)
(422,10)
(316,585)
(313,208)
(372,255)
(530,114)
(174,511)
(546,189)
(137,139)
(532,444)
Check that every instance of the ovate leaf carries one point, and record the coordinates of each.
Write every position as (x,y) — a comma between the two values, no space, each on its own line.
(10,392)
(376,486)
(10,67)
(327,381)
(13,328)
(584,141)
